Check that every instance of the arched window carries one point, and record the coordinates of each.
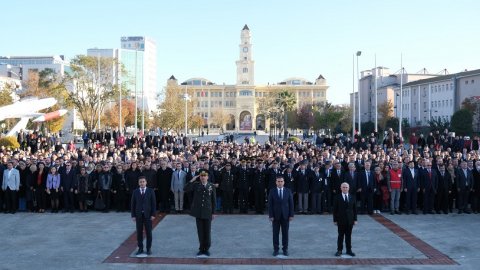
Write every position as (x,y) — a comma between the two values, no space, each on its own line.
(245,70)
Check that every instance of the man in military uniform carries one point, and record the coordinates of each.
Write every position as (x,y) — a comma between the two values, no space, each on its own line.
(227,189)
(243,184)
(203,208)
(259,185)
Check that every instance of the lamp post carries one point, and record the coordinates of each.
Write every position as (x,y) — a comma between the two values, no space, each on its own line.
(186,97)
(401,99)
(353,98)
(359,103)
(136,96)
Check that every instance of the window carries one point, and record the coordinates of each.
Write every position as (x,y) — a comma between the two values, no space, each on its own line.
(219,94)
(415,106)
(451,102)
(466,81)
(245,82)
(245,93)
(473,81)
(245,70)
(446,87)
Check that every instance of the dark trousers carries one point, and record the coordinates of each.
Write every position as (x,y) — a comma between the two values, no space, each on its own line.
(120,200)
(10,200)
(144,222)
(463,196)
(259,200)
(68,201)
(243,200)
(344,231)
(316,202)
(228,201)
(164,201)
(283,224)
(327,201)
(106,199)
(411,200)
(428,199)
(204,233)
(441,201)
(366,201)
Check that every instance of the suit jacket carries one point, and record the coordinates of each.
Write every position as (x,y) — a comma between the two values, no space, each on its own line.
(204,199)
(429,182)
(352,181)
(462,181)
(445,181)
(316,182)
(411,182)
(145,204)
(12,181)
(337,179)
(344,214)
(362,181)
(178,183)
(302,181)
(280,208)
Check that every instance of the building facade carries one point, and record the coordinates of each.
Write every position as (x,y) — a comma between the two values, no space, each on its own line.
(386,84)
(243,102)
(25,65)
(437,98)
(139,56)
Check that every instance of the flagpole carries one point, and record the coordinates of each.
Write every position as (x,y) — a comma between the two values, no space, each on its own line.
(376,95)
(401,98)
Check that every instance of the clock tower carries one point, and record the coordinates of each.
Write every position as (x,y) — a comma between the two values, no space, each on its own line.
(245,63)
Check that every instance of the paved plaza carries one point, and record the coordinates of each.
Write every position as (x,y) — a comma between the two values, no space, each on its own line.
(106,241)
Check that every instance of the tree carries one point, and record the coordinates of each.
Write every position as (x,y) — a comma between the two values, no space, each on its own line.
(329,117)
(305,117)
(286,101)
(220,118)
(462,122)
(392,122)
(473,105)
(368,127)
(171,112)
(44,84)
(385,111)
(6,99)
(92,80)
(111,116)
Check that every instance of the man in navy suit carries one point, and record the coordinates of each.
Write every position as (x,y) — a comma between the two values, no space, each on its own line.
(411,182)
(280,209)
(143,208)
(367,187)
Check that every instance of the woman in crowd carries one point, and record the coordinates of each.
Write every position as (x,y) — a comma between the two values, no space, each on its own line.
(53,185)
(39,184)
(82,189)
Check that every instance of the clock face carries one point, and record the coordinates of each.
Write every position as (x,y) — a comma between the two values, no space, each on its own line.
(245,49)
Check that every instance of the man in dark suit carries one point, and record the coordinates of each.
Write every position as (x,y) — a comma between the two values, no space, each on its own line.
(302,187)
(429,186)
(367,186)
(411,184)
(464,181)
(280,212)
(443,191)
(337,177)
(203,208)
(143,209)
(344,217)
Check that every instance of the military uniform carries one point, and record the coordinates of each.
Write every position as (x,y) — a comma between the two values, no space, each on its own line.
(259,185)
(226,186)
(203,207)
(243,185)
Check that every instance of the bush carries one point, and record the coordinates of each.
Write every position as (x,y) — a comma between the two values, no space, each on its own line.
(9,141)
(294,140)
(462,122)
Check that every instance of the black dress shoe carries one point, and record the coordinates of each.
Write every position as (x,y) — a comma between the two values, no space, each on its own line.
(140,251)
(351,253)
(275,253)
(149,252)
(207,253)
(338,254)
(285,253)
(200,253)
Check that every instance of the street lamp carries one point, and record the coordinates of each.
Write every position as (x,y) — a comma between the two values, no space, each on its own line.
(186,97)
(358,90)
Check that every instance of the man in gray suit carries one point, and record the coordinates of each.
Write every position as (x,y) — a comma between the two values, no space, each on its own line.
(179,178)
(10,186)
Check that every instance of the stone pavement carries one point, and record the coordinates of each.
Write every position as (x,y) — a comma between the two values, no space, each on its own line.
(107,241)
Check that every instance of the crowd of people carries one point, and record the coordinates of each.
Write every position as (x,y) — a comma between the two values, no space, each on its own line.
(438,173)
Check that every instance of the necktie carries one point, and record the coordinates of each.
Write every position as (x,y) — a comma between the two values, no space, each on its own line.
(143,191)
(368,176)
(178,175)
(280,193)
(345,197)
